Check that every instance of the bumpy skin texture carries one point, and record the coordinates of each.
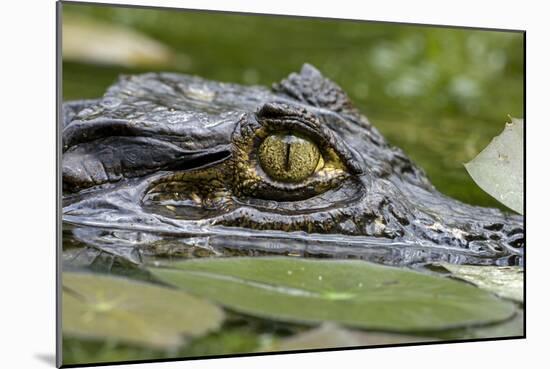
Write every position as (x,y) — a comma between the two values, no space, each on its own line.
(178,155)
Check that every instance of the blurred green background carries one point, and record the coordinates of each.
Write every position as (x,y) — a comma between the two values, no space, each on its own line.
(440,94)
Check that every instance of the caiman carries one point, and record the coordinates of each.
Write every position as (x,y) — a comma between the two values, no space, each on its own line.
(293,169)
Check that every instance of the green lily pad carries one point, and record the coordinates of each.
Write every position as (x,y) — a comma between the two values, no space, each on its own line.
(498,169)
(329,335)
(98,306)
(354,293)
(505,282)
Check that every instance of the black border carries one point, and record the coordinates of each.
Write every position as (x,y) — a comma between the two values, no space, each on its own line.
(59,99)
(58,184)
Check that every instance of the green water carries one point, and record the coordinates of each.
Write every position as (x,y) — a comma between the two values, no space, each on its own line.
(439,94)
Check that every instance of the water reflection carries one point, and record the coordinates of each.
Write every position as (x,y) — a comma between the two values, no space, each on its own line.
(103,248)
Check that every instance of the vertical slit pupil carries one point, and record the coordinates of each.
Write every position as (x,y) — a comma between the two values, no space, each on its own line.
(287,153)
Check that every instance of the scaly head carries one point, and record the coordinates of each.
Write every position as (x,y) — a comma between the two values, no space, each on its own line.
(182,155)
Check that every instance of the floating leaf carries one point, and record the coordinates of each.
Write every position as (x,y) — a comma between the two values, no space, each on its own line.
(96,306)
(354,293)
(330,335)
(505,282)
(498,169)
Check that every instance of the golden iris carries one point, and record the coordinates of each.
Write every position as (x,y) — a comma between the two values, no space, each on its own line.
(288,157)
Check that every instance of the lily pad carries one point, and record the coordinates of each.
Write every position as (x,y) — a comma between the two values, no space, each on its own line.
(329,335)
(97,306)
(350,292)
(505,282)
(498,169)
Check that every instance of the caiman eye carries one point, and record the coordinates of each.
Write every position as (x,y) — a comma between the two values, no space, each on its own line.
(288,157)
(284,153)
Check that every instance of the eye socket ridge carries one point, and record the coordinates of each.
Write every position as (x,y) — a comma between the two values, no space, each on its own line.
(297,118)
(310,130)
(254,180)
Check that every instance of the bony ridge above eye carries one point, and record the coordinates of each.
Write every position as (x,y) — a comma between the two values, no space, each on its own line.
(289,157)
(285,153)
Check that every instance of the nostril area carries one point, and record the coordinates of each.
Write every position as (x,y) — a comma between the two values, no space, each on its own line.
(516,238)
